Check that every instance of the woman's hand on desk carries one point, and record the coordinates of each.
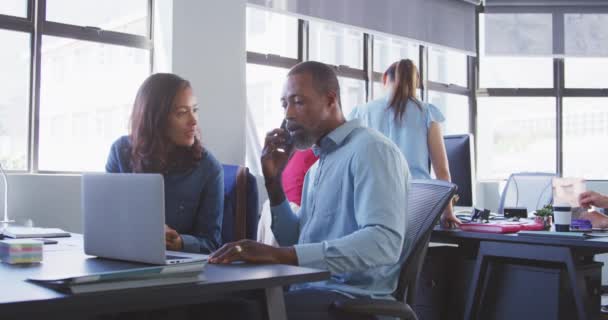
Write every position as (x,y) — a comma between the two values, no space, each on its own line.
(173,241)
(597,219)
(253,252)
(449,220)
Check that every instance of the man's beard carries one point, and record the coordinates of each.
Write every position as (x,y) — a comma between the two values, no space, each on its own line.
(304,140)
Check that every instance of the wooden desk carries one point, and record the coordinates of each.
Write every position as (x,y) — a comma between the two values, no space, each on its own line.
(25,300)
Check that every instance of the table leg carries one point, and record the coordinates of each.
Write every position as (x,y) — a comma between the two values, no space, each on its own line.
(275,303)
(477,289)
(491,250)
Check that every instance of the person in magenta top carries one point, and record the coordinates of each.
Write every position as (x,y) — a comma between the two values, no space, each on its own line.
(294,172)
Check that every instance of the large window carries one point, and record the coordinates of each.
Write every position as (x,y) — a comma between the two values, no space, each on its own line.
(359,60)
(272,33)
(515,135)
(586,72)
(388,50)
(336,45)
(448,67)
(585,122)
(264,91)
(455,109)
(16,8)
(542,73)
(352,93)
(112,15)
(90,58)
(272,48)
(515,51)
(14,102)
(78,121)
(515,72)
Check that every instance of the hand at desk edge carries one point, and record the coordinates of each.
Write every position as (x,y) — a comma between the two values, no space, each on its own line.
(253,252)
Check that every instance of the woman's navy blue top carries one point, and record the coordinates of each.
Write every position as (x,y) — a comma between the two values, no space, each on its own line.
(194,198)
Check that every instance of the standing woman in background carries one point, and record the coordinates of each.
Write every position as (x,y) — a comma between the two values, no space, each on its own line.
(164,138)
(411,124)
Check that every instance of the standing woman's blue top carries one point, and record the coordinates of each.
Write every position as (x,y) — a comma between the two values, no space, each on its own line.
(194,198)
(410,134)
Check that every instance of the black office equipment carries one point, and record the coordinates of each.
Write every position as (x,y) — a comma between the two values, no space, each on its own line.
(516,212)
(459,149)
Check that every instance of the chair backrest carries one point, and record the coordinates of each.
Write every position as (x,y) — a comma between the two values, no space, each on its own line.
(527,189)
(240,204)
(427,199)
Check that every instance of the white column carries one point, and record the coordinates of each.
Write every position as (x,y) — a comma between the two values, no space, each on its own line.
(209,50)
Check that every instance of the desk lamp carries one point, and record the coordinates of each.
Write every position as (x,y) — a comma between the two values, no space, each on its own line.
(5,221)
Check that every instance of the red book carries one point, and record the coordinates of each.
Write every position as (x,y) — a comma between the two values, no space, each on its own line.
(491,227)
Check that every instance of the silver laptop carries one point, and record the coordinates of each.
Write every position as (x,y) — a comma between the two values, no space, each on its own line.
(124,218)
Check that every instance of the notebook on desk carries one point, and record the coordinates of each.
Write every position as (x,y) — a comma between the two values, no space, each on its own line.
(19,232)
(490,227)
(123,279)
(553,234)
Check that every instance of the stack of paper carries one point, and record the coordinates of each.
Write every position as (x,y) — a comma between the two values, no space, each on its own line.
(30,232)
(20,251)
(124,279)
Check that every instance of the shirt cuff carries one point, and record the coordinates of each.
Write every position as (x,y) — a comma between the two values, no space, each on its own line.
(190,243)
(311,255)
(282,209)
(281,206)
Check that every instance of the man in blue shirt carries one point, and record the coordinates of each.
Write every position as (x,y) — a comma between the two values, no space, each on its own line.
(352,219)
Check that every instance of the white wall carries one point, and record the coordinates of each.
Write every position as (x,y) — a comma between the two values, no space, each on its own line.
(209,50)
(163,36)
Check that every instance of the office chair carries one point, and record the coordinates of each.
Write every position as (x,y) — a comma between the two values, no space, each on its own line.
(427,199)
(532,190)
(240,204)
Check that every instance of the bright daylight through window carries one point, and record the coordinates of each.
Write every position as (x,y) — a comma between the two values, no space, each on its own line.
(85,83)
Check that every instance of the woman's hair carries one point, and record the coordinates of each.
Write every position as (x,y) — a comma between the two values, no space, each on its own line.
(151,148)
(403,75)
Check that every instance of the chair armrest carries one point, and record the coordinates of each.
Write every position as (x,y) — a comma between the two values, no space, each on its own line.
(376,307)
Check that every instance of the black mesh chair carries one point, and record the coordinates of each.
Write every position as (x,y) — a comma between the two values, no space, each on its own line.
(426,201)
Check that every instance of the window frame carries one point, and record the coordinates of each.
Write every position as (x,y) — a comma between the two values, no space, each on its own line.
(558,92)
(370,76)
(36,25)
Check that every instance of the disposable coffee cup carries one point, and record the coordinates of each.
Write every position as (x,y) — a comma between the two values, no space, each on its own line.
(563,218)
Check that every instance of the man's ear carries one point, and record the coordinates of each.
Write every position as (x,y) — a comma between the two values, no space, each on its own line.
(332,99)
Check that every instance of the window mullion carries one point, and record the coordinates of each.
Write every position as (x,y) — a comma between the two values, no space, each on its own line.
(558,84)
(424,72)
(39,14)
(303,40)
(96,35)
(15,23)
(368,62)
(472,83)
(151,35)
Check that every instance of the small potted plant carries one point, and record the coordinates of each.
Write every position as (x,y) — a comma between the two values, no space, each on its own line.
(544,216)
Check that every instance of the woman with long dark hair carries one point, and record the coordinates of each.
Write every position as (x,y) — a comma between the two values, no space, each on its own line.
(164,138)
(411,124)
